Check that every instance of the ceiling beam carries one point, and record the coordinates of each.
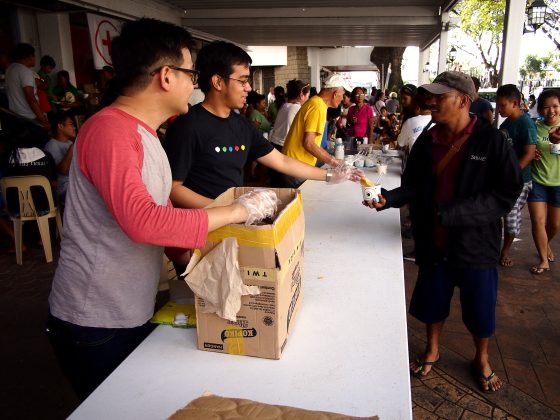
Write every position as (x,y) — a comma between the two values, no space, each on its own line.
(314,21)
(325,12)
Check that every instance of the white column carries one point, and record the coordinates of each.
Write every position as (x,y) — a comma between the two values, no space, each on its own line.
(315,67)
(442,57)
(513,31)
(55,39)
(423,58)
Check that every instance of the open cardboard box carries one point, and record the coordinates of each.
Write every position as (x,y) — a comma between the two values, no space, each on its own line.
(271,257)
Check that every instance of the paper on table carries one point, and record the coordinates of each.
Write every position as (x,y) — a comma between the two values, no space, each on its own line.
(216,278)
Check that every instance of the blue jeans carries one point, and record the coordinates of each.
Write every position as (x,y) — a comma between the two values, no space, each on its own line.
(88,355)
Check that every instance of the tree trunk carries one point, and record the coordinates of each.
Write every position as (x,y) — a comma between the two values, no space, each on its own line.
(382,57)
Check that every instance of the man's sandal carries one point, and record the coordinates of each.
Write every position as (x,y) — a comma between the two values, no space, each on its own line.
(421,365)
(484,382)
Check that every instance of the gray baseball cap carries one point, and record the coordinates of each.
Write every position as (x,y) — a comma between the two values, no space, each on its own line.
(452,80)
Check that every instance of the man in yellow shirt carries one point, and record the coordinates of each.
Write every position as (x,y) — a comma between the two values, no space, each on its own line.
(304,138)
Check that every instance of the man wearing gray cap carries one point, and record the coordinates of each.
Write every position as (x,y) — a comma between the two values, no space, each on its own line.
(461,177)
(304,138)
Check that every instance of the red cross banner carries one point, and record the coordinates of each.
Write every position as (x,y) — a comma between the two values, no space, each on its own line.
(102,30)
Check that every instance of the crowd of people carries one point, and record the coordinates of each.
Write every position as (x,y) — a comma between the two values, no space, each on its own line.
(128,196)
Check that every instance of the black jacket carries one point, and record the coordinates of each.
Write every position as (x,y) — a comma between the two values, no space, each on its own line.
(486,189)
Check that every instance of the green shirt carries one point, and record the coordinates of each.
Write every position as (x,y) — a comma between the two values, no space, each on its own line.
(521,132)
(264,126)
(546,170)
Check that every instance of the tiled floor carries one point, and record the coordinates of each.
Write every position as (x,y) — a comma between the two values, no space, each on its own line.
(525,350)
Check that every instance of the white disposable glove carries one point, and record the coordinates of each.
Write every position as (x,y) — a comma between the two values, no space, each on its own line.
(342,173)
(260,203)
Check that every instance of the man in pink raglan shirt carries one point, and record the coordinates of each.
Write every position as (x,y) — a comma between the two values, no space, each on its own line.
(118,216)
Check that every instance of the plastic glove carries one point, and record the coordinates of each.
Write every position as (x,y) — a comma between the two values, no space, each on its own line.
(342,173)
(260,203)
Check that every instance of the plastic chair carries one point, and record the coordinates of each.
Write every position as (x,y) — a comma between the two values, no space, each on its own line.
(28,212)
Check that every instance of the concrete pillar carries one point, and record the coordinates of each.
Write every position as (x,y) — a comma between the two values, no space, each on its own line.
(25,28)
(513,31)
(442,57)
(423,72)
(55,39)
(315,67)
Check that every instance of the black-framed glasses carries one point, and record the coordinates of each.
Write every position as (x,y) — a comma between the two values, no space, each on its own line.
(243,82)
(191,72)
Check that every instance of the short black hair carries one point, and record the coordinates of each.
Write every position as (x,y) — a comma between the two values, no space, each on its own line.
(59,118)
(219,57)
(510,92)
(22,51)
(295,88)
(144,45)
(47,60)
(549,93)
(476,82)
(409,89)
(65,74)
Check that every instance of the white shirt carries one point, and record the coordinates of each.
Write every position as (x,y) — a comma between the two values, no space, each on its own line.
(411,129)
(283,122)
(19,76)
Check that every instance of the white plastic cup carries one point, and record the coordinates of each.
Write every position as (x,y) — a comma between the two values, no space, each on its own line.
(371,194)
(381,169)
(365,140)
(359,163)
(338,140)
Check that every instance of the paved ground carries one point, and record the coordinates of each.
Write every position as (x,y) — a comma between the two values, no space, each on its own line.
(525,350)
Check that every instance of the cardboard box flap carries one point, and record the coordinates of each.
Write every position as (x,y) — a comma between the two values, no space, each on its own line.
(264,236)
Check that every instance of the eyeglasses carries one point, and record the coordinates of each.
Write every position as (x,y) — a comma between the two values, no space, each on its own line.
(191,72)
(243,82)
(360,94)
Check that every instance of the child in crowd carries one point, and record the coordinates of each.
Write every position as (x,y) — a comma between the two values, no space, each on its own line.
(61,148)
(544,198)
(522,133)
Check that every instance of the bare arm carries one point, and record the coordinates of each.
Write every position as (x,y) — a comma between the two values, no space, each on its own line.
(371,124)
(64,166)
(186,198)
(292,167)
(221,216)
(34,105)
(528,155)
(318,152)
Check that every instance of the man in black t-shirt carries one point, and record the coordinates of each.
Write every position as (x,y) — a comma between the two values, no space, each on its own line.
(209,146)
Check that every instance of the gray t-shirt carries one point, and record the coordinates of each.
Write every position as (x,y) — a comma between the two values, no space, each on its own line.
(19,76)
(58,150)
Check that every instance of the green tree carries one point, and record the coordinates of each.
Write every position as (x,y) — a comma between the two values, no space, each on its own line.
(483,22)
(534,67)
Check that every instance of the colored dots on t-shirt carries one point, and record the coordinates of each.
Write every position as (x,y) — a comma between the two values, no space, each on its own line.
(217,149)
(224,149)
(242,147)
(237,148)
(230,149)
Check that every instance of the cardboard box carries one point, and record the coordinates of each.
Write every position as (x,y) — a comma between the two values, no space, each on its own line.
(271,257)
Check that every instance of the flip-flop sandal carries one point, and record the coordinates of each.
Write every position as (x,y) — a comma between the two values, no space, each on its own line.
(539,270)
(421,366)
(550,258)
(484,382)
